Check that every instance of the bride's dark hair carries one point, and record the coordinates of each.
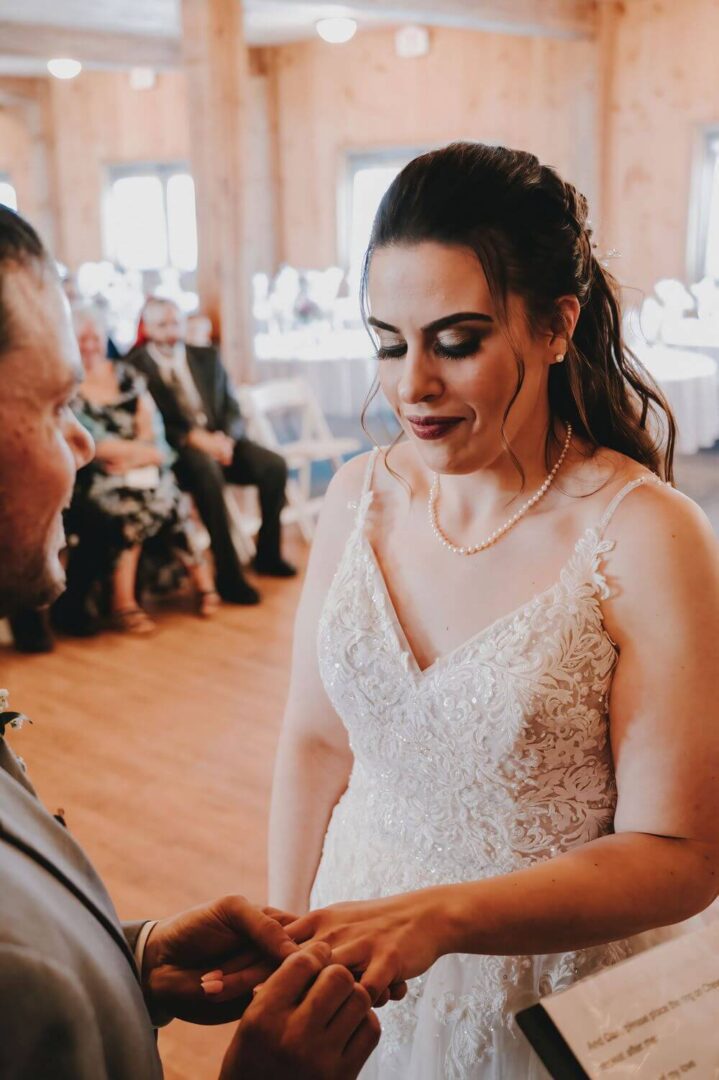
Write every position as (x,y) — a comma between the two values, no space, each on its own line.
(530,232)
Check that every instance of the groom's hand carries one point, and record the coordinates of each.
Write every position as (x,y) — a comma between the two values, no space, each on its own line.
(309,1021)
(181,949)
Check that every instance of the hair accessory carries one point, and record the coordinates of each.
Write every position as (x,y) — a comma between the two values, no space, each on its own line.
(605,257)
(498,533)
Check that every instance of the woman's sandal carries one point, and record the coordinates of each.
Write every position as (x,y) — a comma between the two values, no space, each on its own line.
(208,602)
(133,621)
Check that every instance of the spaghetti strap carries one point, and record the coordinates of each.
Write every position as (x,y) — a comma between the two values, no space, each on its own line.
(621,495)
(369,472)
(362,504)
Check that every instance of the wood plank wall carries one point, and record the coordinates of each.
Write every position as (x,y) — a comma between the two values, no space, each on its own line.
(660,86)
(532,93)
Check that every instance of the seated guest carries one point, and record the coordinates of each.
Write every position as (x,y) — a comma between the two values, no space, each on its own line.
(130,485)
(202,418)
(31,632)
(79,989)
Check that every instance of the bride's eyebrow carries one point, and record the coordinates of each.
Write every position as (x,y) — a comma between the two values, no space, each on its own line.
(460,317)
(438,324)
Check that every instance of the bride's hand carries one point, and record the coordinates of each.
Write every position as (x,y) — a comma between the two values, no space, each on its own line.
(386,941)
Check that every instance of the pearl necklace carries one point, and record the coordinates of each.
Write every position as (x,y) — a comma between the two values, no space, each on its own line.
(498,533)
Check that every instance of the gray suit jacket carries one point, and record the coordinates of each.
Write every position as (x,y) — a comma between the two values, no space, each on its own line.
(71,1007)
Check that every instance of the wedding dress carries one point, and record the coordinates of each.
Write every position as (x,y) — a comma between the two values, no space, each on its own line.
(492,759)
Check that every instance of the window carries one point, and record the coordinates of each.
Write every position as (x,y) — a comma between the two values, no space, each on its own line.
(367,178)
(149,218)
(704,211)
(8,195)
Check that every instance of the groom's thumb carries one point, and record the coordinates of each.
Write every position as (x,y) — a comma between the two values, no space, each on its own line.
(251,922)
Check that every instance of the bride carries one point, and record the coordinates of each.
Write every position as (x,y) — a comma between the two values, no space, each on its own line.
(500,752)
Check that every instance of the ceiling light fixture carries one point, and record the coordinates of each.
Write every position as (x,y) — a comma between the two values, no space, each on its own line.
(411,42)
(336,31)
(64,69)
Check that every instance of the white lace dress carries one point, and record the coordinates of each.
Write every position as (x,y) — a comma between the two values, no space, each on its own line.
(494,758)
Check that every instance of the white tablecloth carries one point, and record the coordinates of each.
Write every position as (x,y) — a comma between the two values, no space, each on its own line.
(338,365)
(340,368)
(691,384)
(696,335)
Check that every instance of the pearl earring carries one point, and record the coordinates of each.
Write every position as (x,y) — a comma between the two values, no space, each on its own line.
(558,358)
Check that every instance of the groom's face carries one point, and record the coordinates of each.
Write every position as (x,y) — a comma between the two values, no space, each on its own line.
(41,443)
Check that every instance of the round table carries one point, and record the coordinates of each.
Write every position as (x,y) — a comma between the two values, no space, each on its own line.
(690,383)
(338,365)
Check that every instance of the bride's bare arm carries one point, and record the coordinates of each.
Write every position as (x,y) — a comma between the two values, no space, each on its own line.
(313,758)
(661,865)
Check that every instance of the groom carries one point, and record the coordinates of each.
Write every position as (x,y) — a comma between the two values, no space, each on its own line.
(79,991)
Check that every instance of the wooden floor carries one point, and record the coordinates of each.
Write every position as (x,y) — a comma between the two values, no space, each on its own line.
(160,752)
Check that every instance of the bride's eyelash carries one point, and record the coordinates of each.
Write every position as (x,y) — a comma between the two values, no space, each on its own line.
(393,352)
(458,351)
(447,352)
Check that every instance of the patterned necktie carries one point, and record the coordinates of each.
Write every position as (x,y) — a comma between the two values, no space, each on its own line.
(195,417)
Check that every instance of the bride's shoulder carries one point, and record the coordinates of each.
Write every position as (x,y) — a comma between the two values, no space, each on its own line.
(658,532)
(387,470)
(632,495)
(347,483)
(341,500)
(644,501)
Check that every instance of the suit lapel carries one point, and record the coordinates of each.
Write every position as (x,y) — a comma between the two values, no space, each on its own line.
(150,366)
(157,385)
(163,395)
(11,764)
(27,825)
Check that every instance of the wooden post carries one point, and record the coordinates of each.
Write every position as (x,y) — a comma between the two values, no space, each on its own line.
(217,69)
(269,70)
(27,100)
(609,15)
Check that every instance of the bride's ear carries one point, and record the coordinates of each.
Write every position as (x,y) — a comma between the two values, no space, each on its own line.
(564,322)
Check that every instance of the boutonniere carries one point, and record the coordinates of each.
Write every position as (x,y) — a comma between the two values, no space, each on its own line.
(9,718)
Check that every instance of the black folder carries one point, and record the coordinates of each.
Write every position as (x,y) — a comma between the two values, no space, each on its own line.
(552,1049)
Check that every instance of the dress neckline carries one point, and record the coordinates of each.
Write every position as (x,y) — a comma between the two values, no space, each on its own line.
(590,533)
(593,534)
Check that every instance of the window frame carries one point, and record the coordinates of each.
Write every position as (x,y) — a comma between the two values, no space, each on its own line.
(160,170)
(706,159)
(353,160)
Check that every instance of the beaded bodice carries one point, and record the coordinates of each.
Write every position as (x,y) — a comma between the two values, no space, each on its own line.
(493,758)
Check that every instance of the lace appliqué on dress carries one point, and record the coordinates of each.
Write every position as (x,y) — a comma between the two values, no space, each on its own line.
(494,758)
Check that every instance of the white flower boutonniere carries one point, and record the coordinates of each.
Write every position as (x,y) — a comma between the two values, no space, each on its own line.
(8,718)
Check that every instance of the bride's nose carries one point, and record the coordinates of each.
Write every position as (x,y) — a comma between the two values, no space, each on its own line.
(420,378)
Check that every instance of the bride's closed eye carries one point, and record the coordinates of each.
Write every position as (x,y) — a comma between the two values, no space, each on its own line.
(450,347)
(456,346)
(391,352)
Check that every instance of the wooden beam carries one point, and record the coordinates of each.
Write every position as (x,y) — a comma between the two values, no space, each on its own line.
(269,58)
(29,104)
(92,47)
(217,67)
(550,18)
(610,13)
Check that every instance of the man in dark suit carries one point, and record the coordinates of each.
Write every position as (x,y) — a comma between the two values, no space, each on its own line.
(78,988)
(193,392)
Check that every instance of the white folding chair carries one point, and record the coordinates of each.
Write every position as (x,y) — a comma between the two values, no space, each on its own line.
(245,519)
(263,401)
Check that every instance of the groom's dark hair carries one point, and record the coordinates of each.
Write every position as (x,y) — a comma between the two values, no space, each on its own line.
(20,247)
